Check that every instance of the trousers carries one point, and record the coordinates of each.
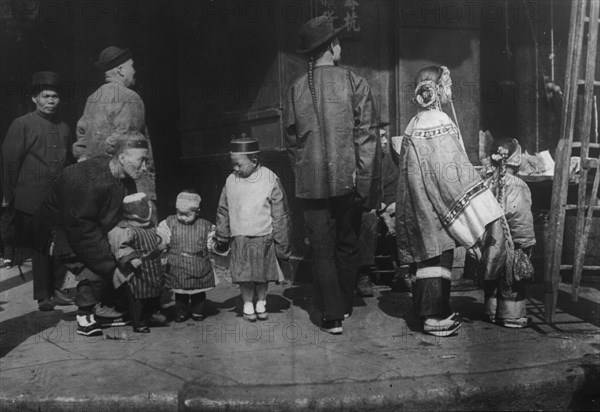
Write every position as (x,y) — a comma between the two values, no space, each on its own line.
(333,227)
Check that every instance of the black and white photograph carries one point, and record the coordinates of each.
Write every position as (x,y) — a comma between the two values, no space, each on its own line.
(299,205)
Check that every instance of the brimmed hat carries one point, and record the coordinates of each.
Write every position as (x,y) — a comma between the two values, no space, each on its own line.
(316,32)
(117,142)
(244,145)
(41,80)
(44,79)
(137,207)
(111,57)
(188,201)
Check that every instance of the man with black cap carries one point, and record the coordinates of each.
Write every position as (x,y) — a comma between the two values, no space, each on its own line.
(34,153)
(114,108)
(333,139)
(82,207)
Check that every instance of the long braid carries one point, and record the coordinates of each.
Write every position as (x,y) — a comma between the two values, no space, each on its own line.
(500,193)
(311,86)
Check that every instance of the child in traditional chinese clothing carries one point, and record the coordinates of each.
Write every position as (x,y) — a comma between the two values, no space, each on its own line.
(137,248)
(189,271)
(253,221)
(504,295)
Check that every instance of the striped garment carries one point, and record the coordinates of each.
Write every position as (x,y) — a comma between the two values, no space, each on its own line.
(188,261)
(146,283)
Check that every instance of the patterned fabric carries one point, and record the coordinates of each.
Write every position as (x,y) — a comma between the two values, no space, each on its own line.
(142,243)
(517,204)
(188,259)
(441,200)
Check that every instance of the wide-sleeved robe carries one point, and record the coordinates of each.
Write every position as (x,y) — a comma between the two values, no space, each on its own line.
(254,213)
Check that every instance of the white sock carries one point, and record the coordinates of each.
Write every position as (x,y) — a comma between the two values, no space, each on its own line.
(248,308)
(261,306)
(82,320)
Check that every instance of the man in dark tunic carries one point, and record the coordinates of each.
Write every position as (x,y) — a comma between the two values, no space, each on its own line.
(84,204)
(333,139)
(34,153)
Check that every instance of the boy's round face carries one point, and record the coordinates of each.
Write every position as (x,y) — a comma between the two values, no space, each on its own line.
(186,216)
(242,165)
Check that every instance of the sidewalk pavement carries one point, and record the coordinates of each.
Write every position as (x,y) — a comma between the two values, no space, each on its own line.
(381,362)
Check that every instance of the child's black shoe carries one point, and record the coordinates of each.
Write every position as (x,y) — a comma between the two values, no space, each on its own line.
(181,316)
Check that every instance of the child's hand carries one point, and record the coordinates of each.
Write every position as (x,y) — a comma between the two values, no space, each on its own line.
(136,263)
(221,248)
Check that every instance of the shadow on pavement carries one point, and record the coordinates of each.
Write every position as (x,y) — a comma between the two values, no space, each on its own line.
(400,305)
(15,281)
(43,325)
(584,309)
(275,304)
(302,295)
(588,397)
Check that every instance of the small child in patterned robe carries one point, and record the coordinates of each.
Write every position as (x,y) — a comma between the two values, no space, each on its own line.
(189,271)
(137,247)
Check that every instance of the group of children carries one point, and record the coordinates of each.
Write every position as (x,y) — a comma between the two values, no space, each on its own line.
(252,226)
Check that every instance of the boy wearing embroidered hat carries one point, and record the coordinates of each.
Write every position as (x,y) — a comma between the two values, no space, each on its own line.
(114,109)
(189,270)
(137,248)
(253,220)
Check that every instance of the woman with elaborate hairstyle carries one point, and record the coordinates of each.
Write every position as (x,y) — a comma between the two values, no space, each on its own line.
(441,201)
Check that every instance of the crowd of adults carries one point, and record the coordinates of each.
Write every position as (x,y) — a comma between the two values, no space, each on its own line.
(335,146)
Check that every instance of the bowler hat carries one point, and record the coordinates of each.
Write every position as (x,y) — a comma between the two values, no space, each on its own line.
(111,57)
(44,79)
(316,32)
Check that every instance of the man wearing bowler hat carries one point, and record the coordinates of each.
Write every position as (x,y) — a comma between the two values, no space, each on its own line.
(34,153)
(333,140)
(114,109)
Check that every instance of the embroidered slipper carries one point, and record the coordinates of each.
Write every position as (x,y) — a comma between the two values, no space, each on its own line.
(442,331)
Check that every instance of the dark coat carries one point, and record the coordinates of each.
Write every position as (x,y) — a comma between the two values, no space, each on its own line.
(34,153)
(326,152)
(82,207)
